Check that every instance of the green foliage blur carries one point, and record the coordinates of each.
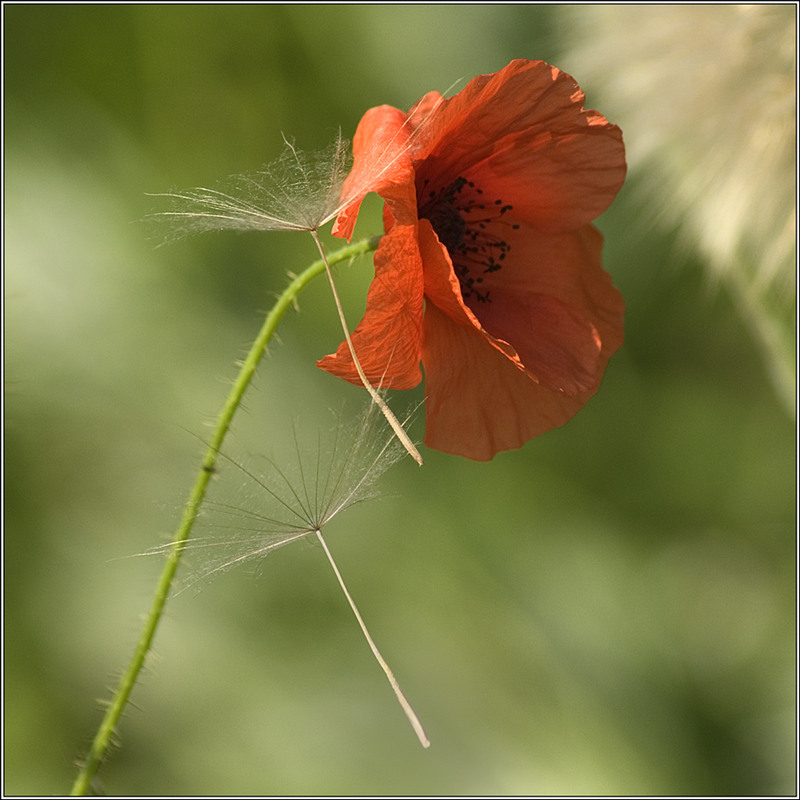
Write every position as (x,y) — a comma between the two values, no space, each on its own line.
(609,610)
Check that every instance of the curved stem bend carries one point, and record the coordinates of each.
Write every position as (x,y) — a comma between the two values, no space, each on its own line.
(105,732)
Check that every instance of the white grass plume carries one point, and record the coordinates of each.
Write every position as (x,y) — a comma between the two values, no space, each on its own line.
(706,96)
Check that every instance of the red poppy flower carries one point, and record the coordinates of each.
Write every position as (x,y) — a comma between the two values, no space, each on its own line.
(489,273)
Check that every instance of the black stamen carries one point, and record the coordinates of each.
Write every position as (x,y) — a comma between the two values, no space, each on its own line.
(467,228)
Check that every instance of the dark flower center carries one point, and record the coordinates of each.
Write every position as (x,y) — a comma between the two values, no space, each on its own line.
(466,225)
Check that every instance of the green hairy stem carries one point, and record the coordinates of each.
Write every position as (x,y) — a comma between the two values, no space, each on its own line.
(106,731)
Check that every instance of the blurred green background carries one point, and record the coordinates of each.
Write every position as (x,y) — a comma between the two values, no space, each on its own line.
(610,609)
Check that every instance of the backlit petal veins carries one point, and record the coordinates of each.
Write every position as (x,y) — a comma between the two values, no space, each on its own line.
(490,272)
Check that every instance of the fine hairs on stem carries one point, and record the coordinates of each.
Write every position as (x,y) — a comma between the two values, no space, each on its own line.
(107,730)
(314,194)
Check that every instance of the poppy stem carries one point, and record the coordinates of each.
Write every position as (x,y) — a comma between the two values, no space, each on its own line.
(107,730)
(406,706)
(377,399)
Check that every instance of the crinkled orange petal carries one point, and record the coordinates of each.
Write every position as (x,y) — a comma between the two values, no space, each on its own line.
(387,340)
(560,181)
(567,266)
(522,134)
(555,304)
(441,284)
(477,402)
(527,360)
(551,307)
(558,346)
(527,345)
(381,164)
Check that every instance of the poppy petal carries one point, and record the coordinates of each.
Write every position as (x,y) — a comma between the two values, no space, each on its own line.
(567,266)
(441,284)
(519,319)
(523,134)
(557,345)
(558,181)
(555,304)
(550,307)
(477,401)
(442,289)
(387,340)
(380,164)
